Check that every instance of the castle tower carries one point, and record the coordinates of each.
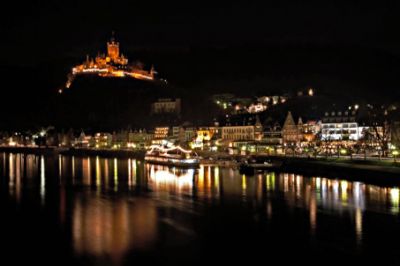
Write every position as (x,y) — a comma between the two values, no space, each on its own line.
(113,48)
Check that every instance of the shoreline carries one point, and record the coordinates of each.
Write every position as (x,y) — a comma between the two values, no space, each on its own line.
(354,170)
(367,171)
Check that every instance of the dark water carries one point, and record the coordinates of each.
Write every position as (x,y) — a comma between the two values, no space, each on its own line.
(98,211)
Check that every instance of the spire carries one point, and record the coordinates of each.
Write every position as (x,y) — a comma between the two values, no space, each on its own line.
(300,121)
(258,122)
(112,36)
(289,121)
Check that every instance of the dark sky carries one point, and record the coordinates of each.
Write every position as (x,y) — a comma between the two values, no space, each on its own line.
(41,31)
(343,49)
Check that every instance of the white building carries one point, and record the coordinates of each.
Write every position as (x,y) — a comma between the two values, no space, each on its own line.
(341,126)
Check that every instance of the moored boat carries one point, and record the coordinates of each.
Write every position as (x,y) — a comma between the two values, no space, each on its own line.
(174,156)
(252,165)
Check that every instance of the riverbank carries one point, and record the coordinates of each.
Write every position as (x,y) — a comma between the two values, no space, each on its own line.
(372,171)
(356,170)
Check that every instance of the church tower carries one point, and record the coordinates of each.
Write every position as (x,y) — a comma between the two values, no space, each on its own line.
(258,129)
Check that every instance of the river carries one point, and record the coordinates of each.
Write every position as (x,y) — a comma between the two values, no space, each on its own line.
(65,210)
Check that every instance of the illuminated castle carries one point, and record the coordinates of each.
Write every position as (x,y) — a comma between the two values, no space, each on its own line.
(111,65)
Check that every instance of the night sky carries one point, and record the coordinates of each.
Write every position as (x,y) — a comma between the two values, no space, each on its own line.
(41,31)
(350,46)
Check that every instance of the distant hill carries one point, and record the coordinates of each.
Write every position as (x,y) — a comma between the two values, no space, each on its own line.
(338,75)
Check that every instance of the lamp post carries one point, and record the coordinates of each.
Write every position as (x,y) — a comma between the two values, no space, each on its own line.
(395,153)
(343,151)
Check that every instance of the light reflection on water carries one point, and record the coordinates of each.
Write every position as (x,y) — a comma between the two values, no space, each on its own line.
(114,206)
(102,227)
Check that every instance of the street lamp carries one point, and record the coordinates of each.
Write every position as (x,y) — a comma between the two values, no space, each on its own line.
(395,153)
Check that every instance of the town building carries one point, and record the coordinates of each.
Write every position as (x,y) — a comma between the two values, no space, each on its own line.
(120,139)
(190,134)
(84,141)
(160,134)
(166,106)
(103,140)
(203,137)
(273,134)
(309,130)
(176,130)
(341,126)
(139,139)
(290,131)
(238,133)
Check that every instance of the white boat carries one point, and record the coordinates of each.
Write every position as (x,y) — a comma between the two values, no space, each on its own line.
(174,155)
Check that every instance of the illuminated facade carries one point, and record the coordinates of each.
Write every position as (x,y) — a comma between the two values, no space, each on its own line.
(161,133)
(310,129)
(203,136)
(113,49)
(139,139)
(290,131)
(234,133)
(112,64)
(273,134)
(341,126)
(83,141)
(166,106)
(103,140)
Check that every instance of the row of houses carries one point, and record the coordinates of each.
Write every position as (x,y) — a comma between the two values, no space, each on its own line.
(343,127)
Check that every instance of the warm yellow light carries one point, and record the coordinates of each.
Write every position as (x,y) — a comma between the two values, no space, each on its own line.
(394,196)
(12,143)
